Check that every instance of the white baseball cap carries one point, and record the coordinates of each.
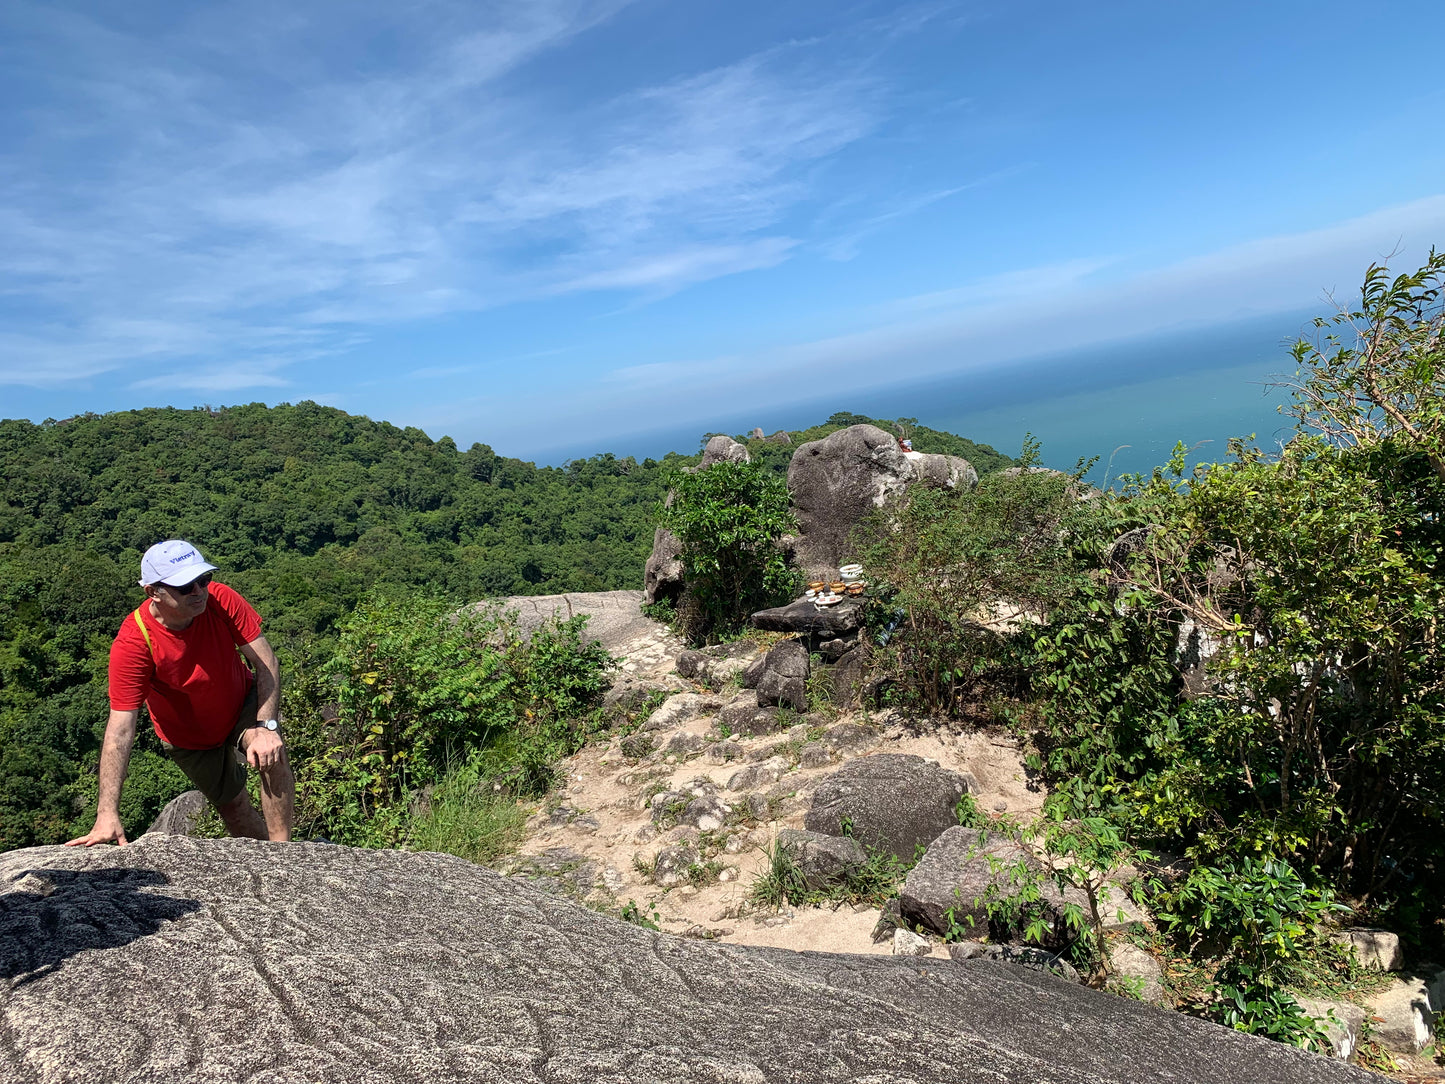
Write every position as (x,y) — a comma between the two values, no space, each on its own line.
(174,562)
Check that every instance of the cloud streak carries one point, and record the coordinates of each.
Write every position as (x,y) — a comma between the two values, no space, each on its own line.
(212,190)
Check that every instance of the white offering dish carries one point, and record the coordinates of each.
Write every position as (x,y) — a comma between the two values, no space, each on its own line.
(851,572)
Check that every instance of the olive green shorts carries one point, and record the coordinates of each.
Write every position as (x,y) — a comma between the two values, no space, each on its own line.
(219,773)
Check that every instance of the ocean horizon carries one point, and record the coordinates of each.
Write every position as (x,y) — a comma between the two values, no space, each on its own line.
(1126,405)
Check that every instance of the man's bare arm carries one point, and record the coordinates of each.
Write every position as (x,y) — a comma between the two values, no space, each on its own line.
(264,748)
(268,677)
(114,760)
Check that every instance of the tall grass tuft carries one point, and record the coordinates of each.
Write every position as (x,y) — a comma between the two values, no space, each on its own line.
(467,818)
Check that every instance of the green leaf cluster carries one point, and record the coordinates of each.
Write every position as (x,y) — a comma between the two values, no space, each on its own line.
(416,687)
(729,518)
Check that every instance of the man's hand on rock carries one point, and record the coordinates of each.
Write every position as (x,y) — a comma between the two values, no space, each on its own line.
(264,749)
(108,829)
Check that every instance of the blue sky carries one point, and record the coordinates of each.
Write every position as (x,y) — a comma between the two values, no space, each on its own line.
(561,224)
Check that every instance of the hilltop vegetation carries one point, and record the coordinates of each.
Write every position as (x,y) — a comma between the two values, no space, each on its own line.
(308,511)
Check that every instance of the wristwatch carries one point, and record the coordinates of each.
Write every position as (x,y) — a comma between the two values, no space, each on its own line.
(270,724)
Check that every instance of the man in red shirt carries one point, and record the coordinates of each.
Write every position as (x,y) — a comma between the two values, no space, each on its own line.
(178,653)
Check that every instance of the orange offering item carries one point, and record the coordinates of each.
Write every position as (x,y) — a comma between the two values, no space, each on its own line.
(837,587)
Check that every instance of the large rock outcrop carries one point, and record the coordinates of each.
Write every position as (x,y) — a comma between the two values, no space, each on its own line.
(181,816)
(234,960)
(614,618)
(837,481)
(894,802)
(834,483)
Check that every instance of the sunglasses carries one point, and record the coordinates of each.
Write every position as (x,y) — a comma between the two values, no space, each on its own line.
(203,580)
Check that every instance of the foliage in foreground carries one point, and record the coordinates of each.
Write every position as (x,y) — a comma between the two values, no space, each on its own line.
(729,519)
(1241,664)
(417,687)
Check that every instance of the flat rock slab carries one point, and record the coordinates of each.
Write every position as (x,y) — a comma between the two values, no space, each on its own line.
(218,961)
(614,618)
(806,618)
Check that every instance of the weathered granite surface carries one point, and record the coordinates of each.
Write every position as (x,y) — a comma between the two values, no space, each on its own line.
(613,617)
(177,959)
(808,618)
(891,801)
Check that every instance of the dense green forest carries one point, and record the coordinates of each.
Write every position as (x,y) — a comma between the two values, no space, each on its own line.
(307,510)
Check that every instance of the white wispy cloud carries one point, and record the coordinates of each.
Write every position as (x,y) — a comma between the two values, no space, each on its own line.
(249,169)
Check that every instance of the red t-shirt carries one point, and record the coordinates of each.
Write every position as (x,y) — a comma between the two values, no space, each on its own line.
(193,681)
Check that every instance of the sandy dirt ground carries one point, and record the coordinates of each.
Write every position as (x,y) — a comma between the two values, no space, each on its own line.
(597,838)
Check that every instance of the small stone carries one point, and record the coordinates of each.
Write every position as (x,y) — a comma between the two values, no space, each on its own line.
(814,755)
(1379,949)
(1403,1019)
(908,943)
(1136,973)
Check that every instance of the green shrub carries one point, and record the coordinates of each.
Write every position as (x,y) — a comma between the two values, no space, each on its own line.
(729,518)
(782,881)
(1261,921)
(946,564)
(417,685)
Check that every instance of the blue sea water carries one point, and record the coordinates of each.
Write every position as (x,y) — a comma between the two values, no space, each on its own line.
(1127,404)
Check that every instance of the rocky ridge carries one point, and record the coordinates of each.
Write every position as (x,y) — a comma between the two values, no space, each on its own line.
(217,961)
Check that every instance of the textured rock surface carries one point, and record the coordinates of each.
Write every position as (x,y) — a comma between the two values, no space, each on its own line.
(232,960)
(676,710)
(1379,949)
(1403,1017)
(894,802)
(808,619)
(944,471)
(719,664)
(834,483)
(744,715)
(823,860)
(908,943)
(955,874)
(662,576)
(613,617)
(181,815)
(783,681)
(847,676)
(1136,973)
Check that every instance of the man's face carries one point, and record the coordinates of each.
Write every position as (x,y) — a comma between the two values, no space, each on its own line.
(183,603)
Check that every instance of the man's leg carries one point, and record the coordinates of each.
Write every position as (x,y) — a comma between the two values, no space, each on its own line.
(278,798)
(241,818)
(278,795)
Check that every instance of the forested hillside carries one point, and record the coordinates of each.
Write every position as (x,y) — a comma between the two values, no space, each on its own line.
(306,509)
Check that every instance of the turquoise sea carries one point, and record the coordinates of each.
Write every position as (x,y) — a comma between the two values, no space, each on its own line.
(1131,401)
